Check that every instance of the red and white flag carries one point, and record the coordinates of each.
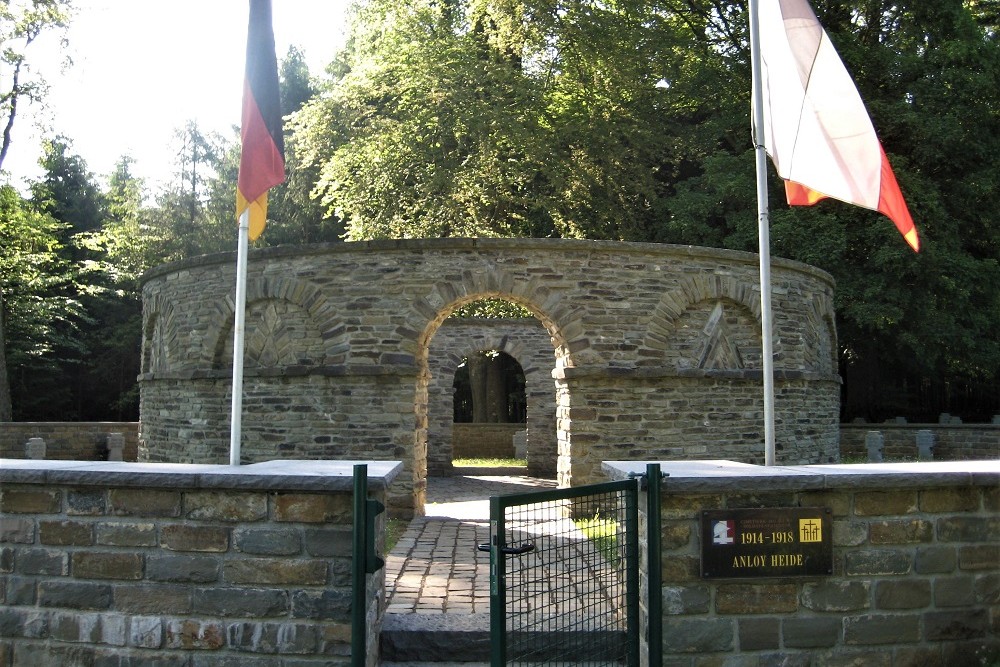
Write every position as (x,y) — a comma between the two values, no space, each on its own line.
(816,128)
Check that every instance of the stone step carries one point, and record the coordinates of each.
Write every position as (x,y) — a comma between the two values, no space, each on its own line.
(464,639)
(437,638)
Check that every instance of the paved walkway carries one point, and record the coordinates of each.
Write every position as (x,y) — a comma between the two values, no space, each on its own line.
(435,567)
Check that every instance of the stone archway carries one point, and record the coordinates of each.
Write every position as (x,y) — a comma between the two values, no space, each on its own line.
(527,341)
(655,351)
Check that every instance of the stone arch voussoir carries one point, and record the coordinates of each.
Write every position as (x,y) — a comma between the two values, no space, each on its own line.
(692,291)
(300,293)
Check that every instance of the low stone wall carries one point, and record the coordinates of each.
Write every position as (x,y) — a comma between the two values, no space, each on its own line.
(143,564)
(916,567)
(953,442)
(481,441)
(68,441)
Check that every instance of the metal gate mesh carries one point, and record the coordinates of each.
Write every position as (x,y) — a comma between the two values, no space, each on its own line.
(568,598)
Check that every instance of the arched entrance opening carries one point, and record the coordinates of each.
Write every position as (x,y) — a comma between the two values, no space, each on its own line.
(489,407)
(489,374)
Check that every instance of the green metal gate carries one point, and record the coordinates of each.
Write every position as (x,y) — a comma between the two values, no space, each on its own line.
(564,576)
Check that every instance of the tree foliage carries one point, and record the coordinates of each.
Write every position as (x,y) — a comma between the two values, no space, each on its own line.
(629,120)
(617,119)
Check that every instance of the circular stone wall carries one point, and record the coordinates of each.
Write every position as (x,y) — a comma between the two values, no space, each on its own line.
(655,352)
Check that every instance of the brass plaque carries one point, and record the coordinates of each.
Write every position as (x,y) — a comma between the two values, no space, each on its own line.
(767,542)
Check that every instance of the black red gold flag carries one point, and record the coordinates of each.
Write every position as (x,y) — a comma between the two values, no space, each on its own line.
(262,161)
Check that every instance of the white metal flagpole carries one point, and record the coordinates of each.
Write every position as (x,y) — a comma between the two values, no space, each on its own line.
(763,234)
(239,309)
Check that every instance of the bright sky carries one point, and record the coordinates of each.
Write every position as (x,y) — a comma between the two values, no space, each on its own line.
(143,69)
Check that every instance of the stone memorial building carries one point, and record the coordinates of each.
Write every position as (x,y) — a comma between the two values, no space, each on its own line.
(637,351)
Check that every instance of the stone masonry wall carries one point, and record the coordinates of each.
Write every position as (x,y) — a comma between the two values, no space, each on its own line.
(952,442)
(177,566)
(484,440)
(916,576)
(69,441)
(340,350)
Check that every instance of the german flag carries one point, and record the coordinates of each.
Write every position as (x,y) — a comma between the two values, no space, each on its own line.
(262,162)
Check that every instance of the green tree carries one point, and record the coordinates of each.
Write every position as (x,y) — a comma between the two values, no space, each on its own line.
(20,25)
(42,310)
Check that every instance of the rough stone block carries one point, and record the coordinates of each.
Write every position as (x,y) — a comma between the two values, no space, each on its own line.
(329,605)
(74,595)
(759,634)
(328,542)
(756,598)
(881,629)
(680,569)
(867,563)
(907,593)
(75,627)
(145,632)
(968,529)
(954,591)
(901,532)
(228,507)
(837,596)
(126,534)
(6,564)
(17,530)
(86,502)
(815,632)
(242,602)
(312,508)
(850,533)
(19,591)
(144,502)
(191,634)
(272,637)
(688,507)
(183,537)
(114,629)
(275,571)
(675,534)
(65,533)
(686,599)
(979,557)
(987,589)
(938,501)
(918,656)
(182,569)
(956,625)
(268,541)
(30,501)
(26,623)
(935,560)
(885,503)
(43,562)
(153,599)
(697,635)
(106,565)
(837,501)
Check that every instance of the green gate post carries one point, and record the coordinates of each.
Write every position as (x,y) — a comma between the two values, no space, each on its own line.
(654,578)
(498,610)
(359,589)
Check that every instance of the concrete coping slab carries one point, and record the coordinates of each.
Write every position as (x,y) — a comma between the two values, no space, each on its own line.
(716,476)
(290,475)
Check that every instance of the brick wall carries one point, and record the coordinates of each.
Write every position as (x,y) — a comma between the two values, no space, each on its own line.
(916,576)
(131,564)
(484,440)
(68,441)
(952,442)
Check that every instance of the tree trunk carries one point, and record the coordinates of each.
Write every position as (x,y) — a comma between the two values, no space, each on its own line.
(5,405)
(477,386)
(496,391)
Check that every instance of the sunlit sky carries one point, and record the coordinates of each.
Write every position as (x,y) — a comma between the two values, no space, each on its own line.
(142,69)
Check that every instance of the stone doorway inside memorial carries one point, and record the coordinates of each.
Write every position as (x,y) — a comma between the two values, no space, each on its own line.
(491,395)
